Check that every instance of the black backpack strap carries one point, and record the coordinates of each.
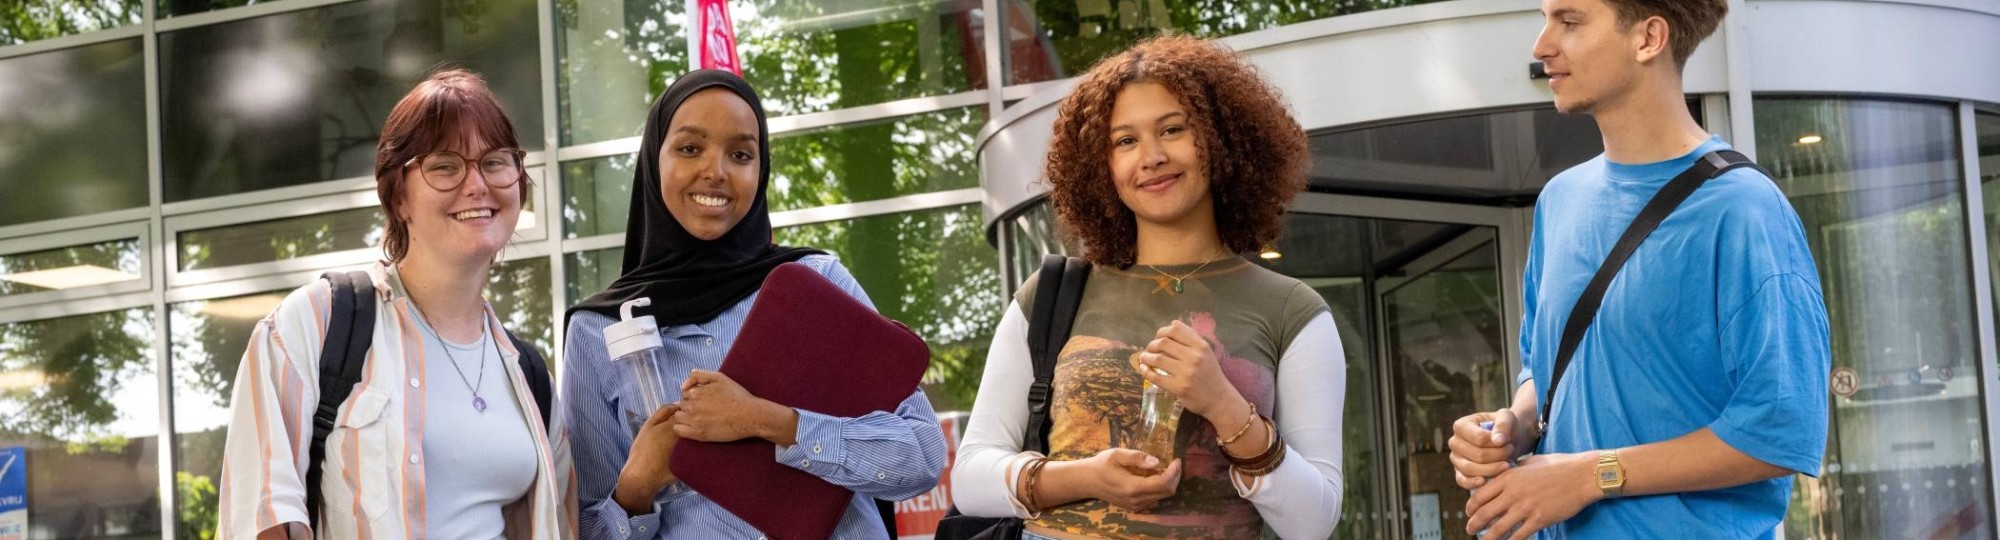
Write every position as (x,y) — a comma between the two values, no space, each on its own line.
(1663,203)
(350,326)
(1058,291)
(537,372)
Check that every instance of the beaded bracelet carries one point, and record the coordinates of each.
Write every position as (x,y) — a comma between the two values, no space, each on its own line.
(1242,430)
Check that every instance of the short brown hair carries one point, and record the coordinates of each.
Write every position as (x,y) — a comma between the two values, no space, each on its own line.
(1688,21)
(1255,153)
(427,120)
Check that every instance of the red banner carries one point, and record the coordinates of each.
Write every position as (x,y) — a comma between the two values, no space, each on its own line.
(917,518)
(713,41)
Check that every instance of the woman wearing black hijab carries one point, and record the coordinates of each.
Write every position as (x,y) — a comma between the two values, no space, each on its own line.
(698,245)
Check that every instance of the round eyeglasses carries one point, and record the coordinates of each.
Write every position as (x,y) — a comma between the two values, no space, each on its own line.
(445,170)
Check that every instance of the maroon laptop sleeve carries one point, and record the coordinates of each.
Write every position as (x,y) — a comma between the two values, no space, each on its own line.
(810,346)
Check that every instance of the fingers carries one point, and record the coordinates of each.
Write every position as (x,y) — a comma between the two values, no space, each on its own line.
(1473,460)
(1468,482)
(1504,424)
(687,431)
(699,377)
(1181,333)
(1468,428)
(1132,459)
(664,414)
(1475,472)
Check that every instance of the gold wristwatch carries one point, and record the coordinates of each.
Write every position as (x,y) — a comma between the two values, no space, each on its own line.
(1610,474)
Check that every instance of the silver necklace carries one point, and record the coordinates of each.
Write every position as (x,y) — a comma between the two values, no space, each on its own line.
(478,403)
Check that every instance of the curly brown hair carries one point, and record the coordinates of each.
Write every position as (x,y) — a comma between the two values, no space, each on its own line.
(1255,153)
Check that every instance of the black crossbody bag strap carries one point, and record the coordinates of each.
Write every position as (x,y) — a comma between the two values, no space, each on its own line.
(1058,291)
(1656,211)
(350,326)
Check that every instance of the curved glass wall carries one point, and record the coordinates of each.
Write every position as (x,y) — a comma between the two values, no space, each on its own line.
(1880,188)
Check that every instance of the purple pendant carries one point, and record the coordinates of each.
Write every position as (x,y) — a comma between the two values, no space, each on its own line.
(479,403)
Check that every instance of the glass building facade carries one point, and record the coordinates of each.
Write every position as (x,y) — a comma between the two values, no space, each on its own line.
(174,167)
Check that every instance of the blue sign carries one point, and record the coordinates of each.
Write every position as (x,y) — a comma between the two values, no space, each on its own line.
(13,479)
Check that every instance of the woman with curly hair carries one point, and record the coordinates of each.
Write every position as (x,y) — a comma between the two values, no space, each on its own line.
(1169,161)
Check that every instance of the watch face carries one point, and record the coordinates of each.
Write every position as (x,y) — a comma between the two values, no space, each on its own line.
(1607,476)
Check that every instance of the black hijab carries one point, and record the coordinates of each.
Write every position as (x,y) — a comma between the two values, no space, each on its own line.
(689,279)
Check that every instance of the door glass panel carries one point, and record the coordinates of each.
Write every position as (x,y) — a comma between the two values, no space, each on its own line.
(1443,334)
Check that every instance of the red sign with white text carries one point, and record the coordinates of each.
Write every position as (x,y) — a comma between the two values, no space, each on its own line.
(917,518)
(715,37)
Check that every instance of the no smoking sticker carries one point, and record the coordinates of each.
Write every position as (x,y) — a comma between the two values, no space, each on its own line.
(1845,381)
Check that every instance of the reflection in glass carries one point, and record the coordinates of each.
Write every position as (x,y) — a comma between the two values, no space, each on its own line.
(847,163)
(932,270)
(1036,233)
(876,160)
(80,394)
(76,266)
(590,272)
(1484,157)
(207,339)
(75,136)
(519,293)
(1988,128)
(35,20)
(1331,255)
(1062,38)
(1878,186)
(300,97)
(802,56)
(1443,332)
(596,195)
(280,239)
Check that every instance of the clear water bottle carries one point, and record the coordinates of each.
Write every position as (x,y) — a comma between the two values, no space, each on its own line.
(634,342)
(1160,418)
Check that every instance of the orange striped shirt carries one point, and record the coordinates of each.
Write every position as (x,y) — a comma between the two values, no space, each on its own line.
(373,479)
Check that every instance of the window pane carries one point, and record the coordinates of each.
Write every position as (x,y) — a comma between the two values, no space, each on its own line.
(22,21)
(591,271)
(802,57)
(1988,126)
(615,56)
(279,239)
(207,340)
(519,293)
(1879,188)
(932,270)
(597,193)
(70,267)
(876,160)
(81,397)
(1062,38)
(75,141)
(1482,157)
(300,97)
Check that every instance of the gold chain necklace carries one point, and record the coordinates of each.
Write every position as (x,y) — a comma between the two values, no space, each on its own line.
(1176,281)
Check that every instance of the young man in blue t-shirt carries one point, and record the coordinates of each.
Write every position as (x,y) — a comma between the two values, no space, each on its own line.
(1701,386)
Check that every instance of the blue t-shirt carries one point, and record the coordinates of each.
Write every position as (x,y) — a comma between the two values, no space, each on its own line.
(1716,321)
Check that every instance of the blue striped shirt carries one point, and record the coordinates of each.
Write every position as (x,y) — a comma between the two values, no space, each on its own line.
(881,455)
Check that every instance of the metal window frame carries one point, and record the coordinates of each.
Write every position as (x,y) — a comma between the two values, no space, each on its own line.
(137,231)
(1979,256)
(819,214)
(274,206)
(785,126)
